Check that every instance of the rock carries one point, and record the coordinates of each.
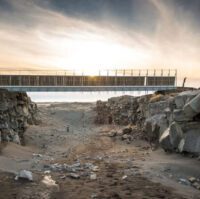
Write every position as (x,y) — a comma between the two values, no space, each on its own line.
(192,179)
(125,137)
(190,143)
(176,134)
(93,176)
(95,169)
(16,139)
(127,130)
(180,116)
(74,176)
(124,177)
(196,185)
(155,126)
(24,174)
(112,134)
(184,182)
(165,141)
(192,108)
(49,182)
(184,97)
(191,140)
(157,108)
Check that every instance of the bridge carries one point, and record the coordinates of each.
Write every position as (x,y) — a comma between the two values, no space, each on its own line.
(74,81)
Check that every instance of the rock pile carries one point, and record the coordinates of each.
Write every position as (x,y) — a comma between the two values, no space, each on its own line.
(17,111)
(172,119)
(183,133)
(128,134)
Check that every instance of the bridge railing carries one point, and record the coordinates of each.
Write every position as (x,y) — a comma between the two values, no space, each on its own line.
(80,78)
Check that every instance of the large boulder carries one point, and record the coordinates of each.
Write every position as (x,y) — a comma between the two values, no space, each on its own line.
(176,134)
(180,116)
(192,108)
(184,97)
(157,107)
(165,142)
(191,138)
(155,126)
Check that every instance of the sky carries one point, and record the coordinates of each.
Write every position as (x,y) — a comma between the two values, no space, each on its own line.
(101,34)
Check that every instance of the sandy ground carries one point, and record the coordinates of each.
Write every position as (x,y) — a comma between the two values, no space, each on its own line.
(121,170)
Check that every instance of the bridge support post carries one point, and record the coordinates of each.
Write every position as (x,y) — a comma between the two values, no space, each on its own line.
(10,80)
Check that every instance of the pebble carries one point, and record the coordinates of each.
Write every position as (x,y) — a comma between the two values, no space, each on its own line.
(74,176)
(93,176)
(184,181)
(95,169)
(124,177)
(192,179)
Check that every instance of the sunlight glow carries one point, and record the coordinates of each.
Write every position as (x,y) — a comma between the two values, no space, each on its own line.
(90,52)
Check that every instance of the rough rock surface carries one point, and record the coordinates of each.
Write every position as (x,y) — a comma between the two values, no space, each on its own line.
(173,119)
(17,111)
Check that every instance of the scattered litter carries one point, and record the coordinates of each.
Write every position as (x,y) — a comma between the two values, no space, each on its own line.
(124,177)
(24,174)
(48,181)
(184,182)
(37,155)
(47,172)
(93,176)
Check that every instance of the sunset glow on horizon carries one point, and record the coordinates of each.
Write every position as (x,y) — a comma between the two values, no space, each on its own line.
(38,36)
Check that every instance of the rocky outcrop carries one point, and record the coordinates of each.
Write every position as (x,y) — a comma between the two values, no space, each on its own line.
(17,111)
(172,119)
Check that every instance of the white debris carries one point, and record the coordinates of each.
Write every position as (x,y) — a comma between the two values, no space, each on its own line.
(95,169)
(24,174)
(93,176)
(124,177)
(37,155)
(74,175)
(48,181)
(47,172)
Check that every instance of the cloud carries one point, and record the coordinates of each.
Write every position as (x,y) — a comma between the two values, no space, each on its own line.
(101,34)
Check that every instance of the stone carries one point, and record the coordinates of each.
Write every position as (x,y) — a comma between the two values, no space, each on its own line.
(112,134)
(157,108)
(74,175)
(196,185)
(93,176)
(184,181)
(49,182)
(125,137)
(165,141)
(184,97)
(191,142)
(16,139)
(155,126)
(124,177)
(192,179)
(127,130)
(180,116)
(24,174)
(176,134)
(95,169)
(192,108)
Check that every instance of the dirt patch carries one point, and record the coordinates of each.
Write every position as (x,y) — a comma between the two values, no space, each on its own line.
(122,170)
